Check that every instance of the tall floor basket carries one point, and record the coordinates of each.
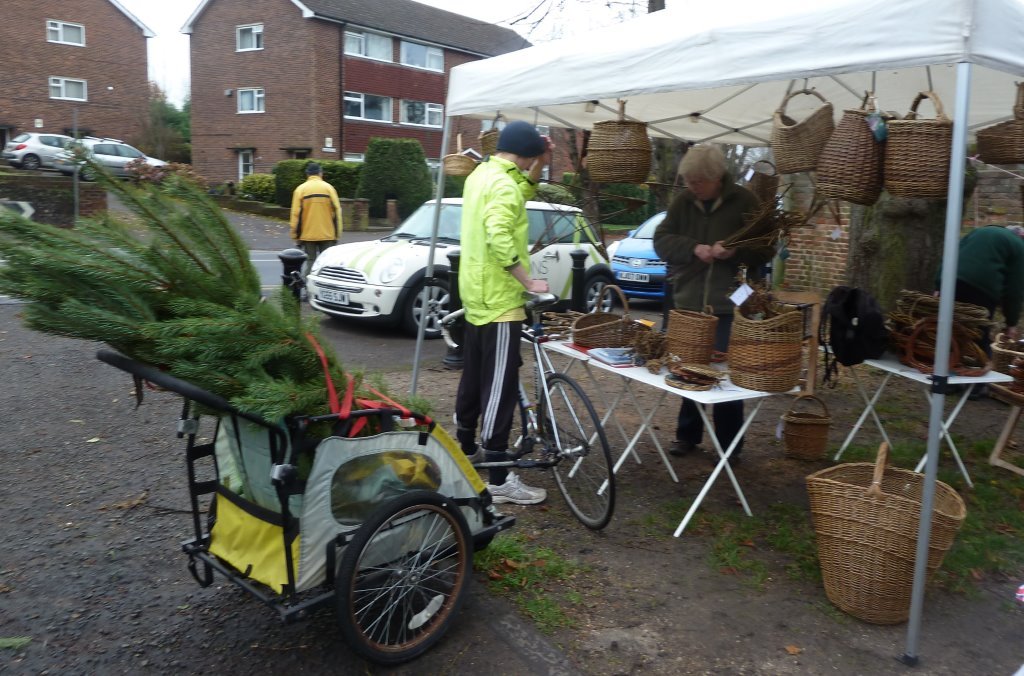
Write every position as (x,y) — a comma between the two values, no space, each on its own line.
(866,518)
(805,433)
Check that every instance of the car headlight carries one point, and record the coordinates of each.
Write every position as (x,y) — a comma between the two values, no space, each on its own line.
(391,271)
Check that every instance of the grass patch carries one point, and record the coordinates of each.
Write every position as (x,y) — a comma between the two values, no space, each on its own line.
(536,579)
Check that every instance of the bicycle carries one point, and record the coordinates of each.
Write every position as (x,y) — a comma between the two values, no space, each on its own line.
(567,429)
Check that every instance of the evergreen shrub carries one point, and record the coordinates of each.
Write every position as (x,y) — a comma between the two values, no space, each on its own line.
(258,187)
(289,174)
(395,169)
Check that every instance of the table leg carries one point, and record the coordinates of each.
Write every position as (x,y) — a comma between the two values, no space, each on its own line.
(609,409)
(1004,438)
(645,425)
(944,434)
(723,463)
(869,408)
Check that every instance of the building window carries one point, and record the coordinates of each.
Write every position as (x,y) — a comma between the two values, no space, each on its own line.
(66,88)
(422,56)
(367,107)
(248,38)
(354,157)
(487,125)
(370,45)
(246,163)
(426,114)
(65,33)
(250,101)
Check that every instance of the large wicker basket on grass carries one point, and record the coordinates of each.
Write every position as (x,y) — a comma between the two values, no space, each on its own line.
(866,518)
(805,433)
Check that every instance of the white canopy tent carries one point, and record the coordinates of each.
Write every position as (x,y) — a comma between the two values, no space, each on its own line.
(717,72)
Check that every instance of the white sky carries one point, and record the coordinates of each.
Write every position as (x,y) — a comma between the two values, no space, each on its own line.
(168,51)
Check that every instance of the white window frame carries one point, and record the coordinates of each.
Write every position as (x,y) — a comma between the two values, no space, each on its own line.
(256,30)
(435,52)
(246,160)
(258,100)
(435,110)
(360,98)
(358,43)
(61,84)
(354,157)
(59,26)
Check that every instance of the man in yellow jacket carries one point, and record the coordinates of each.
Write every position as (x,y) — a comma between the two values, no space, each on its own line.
(316,215)
(493,273)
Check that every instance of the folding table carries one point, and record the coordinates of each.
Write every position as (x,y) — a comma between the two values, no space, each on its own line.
(633,376)
(891,366)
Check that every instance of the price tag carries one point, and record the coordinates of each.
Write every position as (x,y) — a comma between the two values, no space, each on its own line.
(740,295)
(836,234)
(749,175)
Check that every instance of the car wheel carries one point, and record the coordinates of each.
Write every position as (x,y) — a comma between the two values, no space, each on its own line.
(30,161)
(592,291)
(429,303)
(87,174)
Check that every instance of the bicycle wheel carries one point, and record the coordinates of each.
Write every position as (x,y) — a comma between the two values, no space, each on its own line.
(584,474)
(401,578)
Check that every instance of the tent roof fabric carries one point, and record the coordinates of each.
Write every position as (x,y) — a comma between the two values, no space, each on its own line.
(715,74)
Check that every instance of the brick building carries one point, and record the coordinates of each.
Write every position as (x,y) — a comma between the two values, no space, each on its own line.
(282,79)
(61,57)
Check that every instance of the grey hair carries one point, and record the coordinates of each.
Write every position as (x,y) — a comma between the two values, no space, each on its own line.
(703,161)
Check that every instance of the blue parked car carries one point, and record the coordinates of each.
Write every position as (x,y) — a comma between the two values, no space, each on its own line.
(637,269)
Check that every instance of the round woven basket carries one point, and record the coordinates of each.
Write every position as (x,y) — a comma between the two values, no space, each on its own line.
(619,151)
(805,434)
(850,166)
(607,329)
(1003,143)
(691,335)
(867,537)
(797,145)
(917,153)
(766,354)
(693,377)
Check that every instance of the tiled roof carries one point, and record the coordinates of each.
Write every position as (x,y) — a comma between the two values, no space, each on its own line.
(416,20)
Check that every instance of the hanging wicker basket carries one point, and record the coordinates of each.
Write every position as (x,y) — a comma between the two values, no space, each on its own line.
(691,335)
(458,164)
(805,434)
(489,139)
(1003,143)
(866,518)
(619,151)
(850,166)
(607,329)
(917,153)
(766,354)
(797,145)
(764,182)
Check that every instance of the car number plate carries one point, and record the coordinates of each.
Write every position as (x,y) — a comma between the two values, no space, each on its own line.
(332,296)
(634,276)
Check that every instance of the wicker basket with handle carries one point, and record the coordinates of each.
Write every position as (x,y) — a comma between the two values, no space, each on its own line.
(804,433)
(691,335)
(457,164)
(619,151)
(606,329)
(917,153)
(866,518)
(1003,143)
(797,145)
(766,354)
(850,166)
(764,181)
(489,139)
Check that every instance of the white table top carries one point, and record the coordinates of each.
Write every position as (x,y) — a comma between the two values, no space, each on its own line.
(725,391)
(891,364)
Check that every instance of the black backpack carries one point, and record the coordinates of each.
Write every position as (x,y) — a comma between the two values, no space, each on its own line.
(856,329)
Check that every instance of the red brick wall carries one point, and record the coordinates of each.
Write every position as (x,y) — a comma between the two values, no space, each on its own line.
(114,55)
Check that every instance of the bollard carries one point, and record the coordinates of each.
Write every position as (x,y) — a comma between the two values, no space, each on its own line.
(453,357)
(291,275)
(579,261)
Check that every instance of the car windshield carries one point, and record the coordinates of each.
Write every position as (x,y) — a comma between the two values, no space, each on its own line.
(646,231)
(421,223)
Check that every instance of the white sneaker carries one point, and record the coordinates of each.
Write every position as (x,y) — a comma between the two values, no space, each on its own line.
(516,492)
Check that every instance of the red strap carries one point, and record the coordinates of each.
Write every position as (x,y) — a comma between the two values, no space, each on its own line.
(332,394)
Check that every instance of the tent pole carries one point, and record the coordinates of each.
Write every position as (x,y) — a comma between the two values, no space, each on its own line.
(438,196)
(950,251)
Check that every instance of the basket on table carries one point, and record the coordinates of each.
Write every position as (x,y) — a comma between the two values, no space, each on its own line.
(805,434)
(913,330)
(1004,352)
(850,166)
(798,144)
(865,519)
(607,329)
(619,151)
(489,138)
(691,335)
(917,153)
(767,354)
(693,377)
(457,164)
(1003,143)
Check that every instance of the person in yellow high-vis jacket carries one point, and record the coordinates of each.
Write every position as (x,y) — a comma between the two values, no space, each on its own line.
(316,215)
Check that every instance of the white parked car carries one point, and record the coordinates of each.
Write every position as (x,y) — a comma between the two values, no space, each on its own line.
(32,151)
(384,279)
(110,153)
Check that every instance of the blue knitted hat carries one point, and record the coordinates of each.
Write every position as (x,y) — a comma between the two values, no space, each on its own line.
(521,138)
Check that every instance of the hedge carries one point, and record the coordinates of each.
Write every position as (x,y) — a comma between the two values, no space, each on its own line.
(288,174)
(395,169)
(258,187)
(616,212)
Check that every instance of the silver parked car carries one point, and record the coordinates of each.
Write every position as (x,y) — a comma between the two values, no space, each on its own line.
(113,154)
(31,150)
